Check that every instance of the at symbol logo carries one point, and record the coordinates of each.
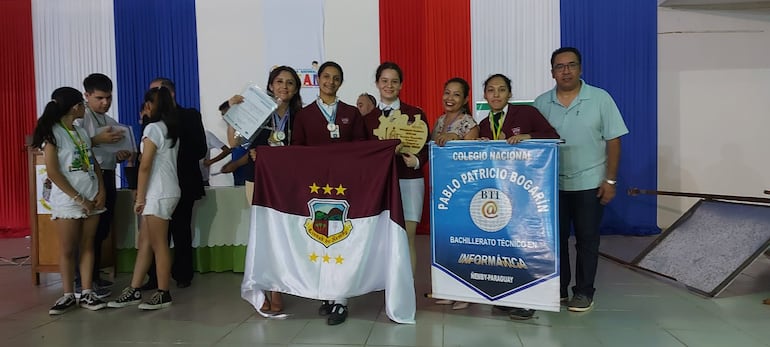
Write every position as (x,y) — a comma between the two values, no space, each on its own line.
(490,209)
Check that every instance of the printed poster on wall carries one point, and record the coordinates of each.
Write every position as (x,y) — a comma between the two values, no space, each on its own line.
(494,225)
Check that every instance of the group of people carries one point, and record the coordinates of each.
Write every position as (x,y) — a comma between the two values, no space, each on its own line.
(588,167)
(584,116)
(73,134)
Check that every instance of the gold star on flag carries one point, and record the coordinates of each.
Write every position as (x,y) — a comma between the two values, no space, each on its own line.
(328,189)
(326,258)
(339,259)
(314,188)
(313,257)
(340,190)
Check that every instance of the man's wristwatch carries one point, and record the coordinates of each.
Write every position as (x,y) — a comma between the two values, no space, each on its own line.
(611,182)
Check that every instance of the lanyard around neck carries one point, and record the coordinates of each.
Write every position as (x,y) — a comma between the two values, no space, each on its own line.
(80,145)
(330,118)
(96,117)
(497,126)
(279,123)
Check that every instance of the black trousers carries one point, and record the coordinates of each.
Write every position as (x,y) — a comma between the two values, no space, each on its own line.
(180,230)
(582,211)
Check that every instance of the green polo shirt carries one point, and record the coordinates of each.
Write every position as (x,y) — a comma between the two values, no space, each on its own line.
(586,125)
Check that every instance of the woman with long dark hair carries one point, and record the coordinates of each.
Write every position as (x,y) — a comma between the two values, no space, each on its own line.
(157,195)
(456,123)
(284,84)
(77,196)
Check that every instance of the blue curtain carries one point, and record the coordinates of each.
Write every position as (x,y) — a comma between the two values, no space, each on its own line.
(155,39)
(618,42)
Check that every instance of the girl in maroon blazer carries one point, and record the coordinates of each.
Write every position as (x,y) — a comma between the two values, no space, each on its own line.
(389,79)
(328,119)
(513,123)
(284,84)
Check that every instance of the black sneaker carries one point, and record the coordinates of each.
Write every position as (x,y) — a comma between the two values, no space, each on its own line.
(326,308)
(64,304)
(129,296)
(580,303)
(161,299)
(338,314)
(92,302)
(520,313)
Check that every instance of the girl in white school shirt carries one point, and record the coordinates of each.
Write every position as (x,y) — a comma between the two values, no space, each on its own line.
(77,196)
(157,195)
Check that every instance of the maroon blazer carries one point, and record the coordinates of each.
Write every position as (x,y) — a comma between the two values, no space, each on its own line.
(372,121)
(310,126)
(521,119)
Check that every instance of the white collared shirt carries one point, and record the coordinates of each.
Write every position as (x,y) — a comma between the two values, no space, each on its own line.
(394,106)
(329,108)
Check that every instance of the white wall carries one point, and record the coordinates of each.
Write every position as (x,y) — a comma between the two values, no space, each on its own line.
(352,39)
(713,105)
(228,58)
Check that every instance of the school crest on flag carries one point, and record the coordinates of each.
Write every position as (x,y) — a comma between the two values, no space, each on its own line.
(328,222)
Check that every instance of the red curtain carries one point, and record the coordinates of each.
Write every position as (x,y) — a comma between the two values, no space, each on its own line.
(431,41)
(17,113)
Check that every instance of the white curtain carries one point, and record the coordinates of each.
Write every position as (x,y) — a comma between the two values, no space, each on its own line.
(514,38)
(72,39)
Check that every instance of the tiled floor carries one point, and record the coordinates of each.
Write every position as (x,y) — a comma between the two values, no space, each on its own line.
(632,309)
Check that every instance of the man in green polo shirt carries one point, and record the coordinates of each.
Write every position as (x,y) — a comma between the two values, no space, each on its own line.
(588,120)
